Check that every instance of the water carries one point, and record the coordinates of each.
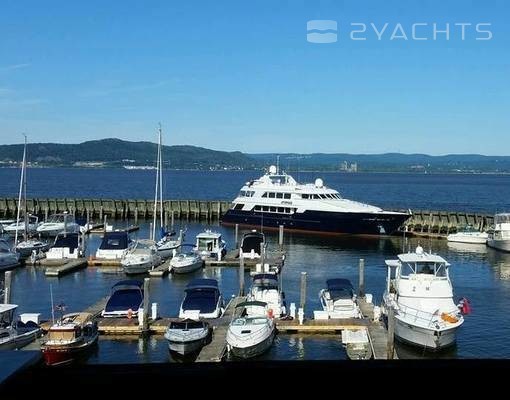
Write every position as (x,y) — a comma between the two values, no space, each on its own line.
(478,273)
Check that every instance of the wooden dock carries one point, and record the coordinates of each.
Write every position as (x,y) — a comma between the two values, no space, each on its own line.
(160,270)
(103,262)
(231,259)
(69,266)
(321,326)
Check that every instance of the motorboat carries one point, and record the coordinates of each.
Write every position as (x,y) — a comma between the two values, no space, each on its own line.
(141,258)
(339,299)
(8,258)
(253,332)
(499,237)
(419,289)
(4,223)
(15,334)
(114,245)
(468,235)
(126,299)
(27,247)
(31,226)
(184,263)
(69,337)
(277,199)
(58,223)
(187,336)
(168,246)
(202,299)
(265,288)
(251,244)
(357,344)
(66,246)
(210,245)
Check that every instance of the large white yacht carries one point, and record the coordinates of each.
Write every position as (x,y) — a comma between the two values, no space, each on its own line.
(499,238)
(419,289)
(277,199)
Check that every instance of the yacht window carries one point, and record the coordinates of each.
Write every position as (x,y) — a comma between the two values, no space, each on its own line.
(272,209)
(242,193)
(272,195)
(281,209)
(286,195)
(239,206)
(265,194)
(279,195)
(287,210)
(257,208)
(250,193)
(304,196)
(440,270)
(265,208)
(316,196)
(426,268)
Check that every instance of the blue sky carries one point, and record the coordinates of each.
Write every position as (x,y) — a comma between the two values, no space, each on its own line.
(237,75)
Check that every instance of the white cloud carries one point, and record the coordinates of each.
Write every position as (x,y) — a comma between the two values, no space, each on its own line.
(14,67)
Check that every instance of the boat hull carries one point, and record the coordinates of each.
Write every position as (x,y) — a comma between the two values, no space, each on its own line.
(467,239)
(185,348)
(134,269)
(20,341)
(254,350)
(424,338)
(185,269)
(321,222)
(59,355)
(503,245)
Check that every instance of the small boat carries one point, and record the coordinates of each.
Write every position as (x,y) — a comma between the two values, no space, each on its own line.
(468,235)
(210,245)
(125,300)
(167,246)
(70,337)
(66,246)
(202,299)
(499,237)
(114,245)
(250,244)
(339,299)
(265,288)
(33,223)
(58,223)
(8,258)
(27,247)
(184,263)
(15,335)
(141,258)
(187,336)
(357,344)
(253,332)
(419,289)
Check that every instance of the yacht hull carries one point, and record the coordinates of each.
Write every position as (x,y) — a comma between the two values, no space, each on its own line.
(254,350)
(133,269)
(20,341)
(423,337)
(321,222)
(184,269)
(58,355)
(503,245)
(185,348)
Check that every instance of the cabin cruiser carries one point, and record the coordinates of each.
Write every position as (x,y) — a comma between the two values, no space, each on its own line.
(499,237)
(339,299)
(187,336)
(125,300)
(141,258)
(251,244)
(265,288)
(202,299)
(210,245)
(468,235)
(66,246)
(27,247)
(419,289)
(277,199)
(15,335)
(184,263)
(8,258)
(253,332)
(167,246)
(69,337)
(114,245)
(33,223)
(58,223)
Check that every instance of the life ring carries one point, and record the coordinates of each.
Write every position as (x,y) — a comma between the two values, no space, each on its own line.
(449,318)
(270,313)
(130,313)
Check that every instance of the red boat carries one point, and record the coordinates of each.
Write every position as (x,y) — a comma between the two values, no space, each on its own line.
(70,337)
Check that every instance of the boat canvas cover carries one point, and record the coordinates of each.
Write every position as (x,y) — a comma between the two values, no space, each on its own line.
(203,298)
(340,288)
(115,241)
(202,283)
(126,295)
(252,241)
(265,280)
(69,241)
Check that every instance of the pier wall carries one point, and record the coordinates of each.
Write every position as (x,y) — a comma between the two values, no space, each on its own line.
(421,221)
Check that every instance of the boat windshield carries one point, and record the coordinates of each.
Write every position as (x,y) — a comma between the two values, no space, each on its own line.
(502,219)
(62,334)
(186,325)
(249,321)
(6,318)
(206,244)
(423,268)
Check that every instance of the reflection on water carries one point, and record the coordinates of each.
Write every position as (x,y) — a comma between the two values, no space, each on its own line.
(500,262)
(467,247)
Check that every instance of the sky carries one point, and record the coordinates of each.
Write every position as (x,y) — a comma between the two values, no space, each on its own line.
(238,75)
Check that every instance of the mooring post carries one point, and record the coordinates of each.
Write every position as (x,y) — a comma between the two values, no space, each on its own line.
(7,287)
(136,216)
(280,237)
(237,235)
(101,213)
(88,220)
(46,214)
(172,221)
(150,232)
(302,300)
(166,220)
(219,210)
(262,257)
(361,289)
(146,297)
(241,274)
(391,332)
(104,224)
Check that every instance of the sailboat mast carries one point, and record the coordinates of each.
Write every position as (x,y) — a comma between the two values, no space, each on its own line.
(25,233)
(155,216)
(20,193)
(161,177)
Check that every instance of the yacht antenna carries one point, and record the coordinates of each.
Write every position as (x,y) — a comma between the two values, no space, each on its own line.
(160,176)
(22,179)
(155,216)
(52,307)
(278,164)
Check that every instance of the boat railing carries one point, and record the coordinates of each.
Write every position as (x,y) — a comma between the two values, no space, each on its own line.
(426,317)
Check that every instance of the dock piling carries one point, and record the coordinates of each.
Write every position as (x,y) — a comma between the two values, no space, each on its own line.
(146,295)
(237,236)
(7,287)
(172,220)
(391,332)
(361,289)
(241,273)
(104,224)
(262,256)
(280,237)
(302,301)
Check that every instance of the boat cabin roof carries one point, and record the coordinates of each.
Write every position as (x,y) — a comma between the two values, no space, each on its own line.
(502,218)
(202,283)
(128,284)
(209,235)
(265,280)
(188,323)
(7,307)
(252,304)
(340,288)
(70,240)
(419,256)
(69,320)
(117,240)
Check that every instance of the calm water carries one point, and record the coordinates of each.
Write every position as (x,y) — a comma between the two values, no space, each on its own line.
(478,273)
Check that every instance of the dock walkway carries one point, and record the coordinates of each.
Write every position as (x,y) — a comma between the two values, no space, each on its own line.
(69,266)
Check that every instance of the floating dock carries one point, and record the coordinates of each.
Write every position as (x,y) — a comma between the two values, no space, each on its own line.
(160,270)
(231,259)
(69,266)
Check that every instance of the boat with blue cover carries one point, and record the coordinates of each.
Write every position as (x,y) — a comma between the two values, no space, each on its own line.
(125,300)
(202,299)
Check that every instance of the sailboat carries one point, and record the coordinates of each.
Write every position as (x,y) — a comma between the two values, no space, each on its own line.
(28,245)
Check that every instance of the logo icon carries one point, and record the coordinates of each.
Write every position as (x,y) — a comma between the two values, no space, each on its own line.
(321,31)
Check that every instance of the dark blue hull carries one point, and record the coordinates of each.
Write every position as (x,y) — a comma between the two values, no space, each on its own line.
(321,221)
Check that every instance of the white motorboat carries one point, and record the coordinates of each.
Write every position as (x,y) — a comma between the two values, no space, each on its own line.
(202,299)
(66,246)
(184,263)
(58,223)
(8,257)
(357,344)
(187,336)
(141,258)
(126,299)
(167,246)
(253,332)
(4,223)
(339,299)
(251,244)
(265,288)
(19,227)
(499,237)
(210,245)
(15,335)
(27,247)
(419,289)
(468,235)
(114,245)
